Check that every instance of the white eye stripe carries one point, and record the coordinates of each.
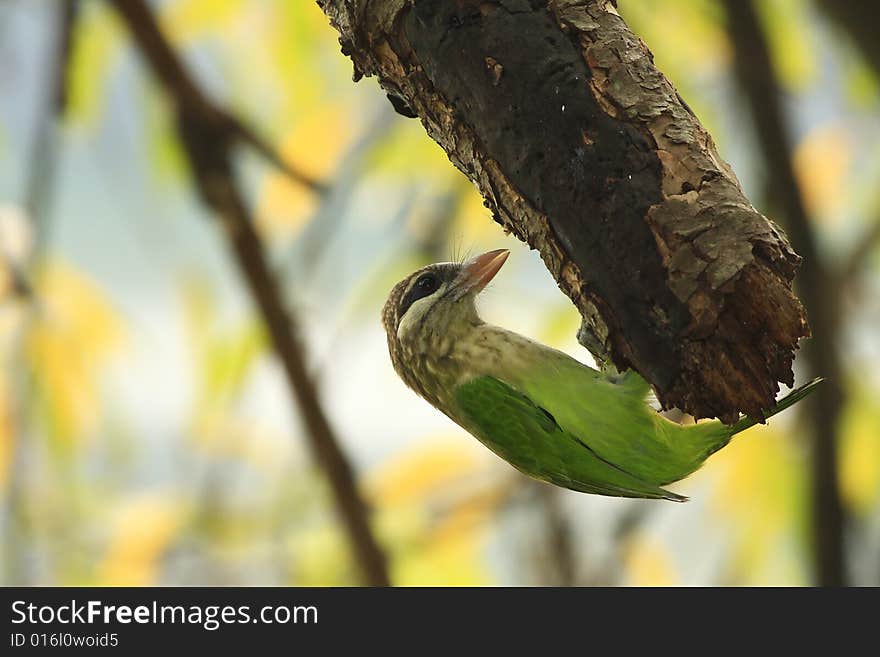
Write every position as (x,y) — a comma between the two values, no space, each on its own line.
(414,317)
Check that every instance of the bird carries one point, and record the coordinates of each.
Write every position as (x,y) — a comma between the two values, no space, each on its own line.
(548,415)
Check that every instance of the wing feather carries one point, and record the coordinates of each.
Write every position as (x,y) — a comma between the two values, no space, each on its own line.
(528,436)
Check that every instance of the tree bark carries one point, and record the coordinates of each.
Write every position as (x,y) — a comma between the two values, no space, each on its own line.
(585,151)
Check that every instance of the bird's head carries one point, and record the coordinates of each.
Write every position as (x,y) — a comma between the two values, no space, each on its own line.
(432,307)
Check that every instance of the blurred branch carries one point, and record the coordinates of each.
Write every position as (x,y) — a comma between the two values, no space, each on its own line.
(562,567)
(183,90)
(757,77)
(247,135)
(610,571)
(208,135)
(44,153)
(860,19)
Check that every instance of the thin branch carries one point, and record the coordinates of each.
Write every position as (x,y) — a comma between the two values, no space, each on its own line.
(758,80)
(208,139)
(249,136)
(184,91)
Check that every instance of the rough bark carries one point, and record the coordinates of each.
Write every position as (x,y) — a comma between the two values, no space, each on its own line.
(585,151)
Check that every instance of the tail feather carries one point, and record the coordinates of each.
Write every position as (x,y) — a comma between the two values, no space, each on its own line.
(791,398)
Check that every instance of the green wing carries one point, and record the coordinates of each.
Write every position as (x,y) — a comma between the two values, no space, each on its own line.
(529,438)
(614,416)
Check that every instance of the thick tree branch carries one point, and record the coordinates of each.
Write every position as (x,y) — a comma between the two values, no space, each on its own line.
(585,151)
(757,77)
(208,135)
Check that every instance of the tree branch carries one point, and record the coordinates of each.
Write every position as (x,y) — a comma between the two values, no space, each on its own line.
(585,151)
(183,90)
(756,74)
(247,135)
(208,135)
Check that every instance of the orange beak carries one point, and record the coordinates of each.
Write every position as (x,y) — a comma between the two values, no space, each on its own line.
(477,272)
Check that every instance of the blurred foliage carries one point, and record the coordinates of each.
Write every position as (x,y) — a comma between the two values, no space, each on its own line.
(91,63)
(860,452)
(790,33)
(764,465)
(141,531)
(202,480)
(647,562)
(437,505)
(284,204)
(73,332)
(822,162)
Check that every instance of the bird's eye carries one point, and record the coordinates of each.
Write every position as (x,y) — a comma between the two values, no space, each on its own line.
(425,286)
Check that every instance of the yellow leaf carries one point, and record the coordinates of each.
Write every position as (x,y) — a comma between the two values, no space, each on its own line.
(221,435)
(434,512)
(469,517)
(822,161)
(298,47)
(186,20)
(445,563)
(314,146)
(648,563)
(6,431)
(862,83)
(860,454)
(143,528)
(561,322)
(473,218)
(94,50)
(74,333)
(321,557)
(415,474)
(787,27)
(407,143)
(760,464)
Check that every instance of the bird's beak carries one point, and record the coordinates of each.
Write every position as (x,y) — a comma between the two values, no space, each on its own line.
(477,272)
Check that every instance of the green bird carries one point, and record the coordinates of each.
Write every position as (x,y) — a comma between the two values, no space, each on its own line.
(548,415)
